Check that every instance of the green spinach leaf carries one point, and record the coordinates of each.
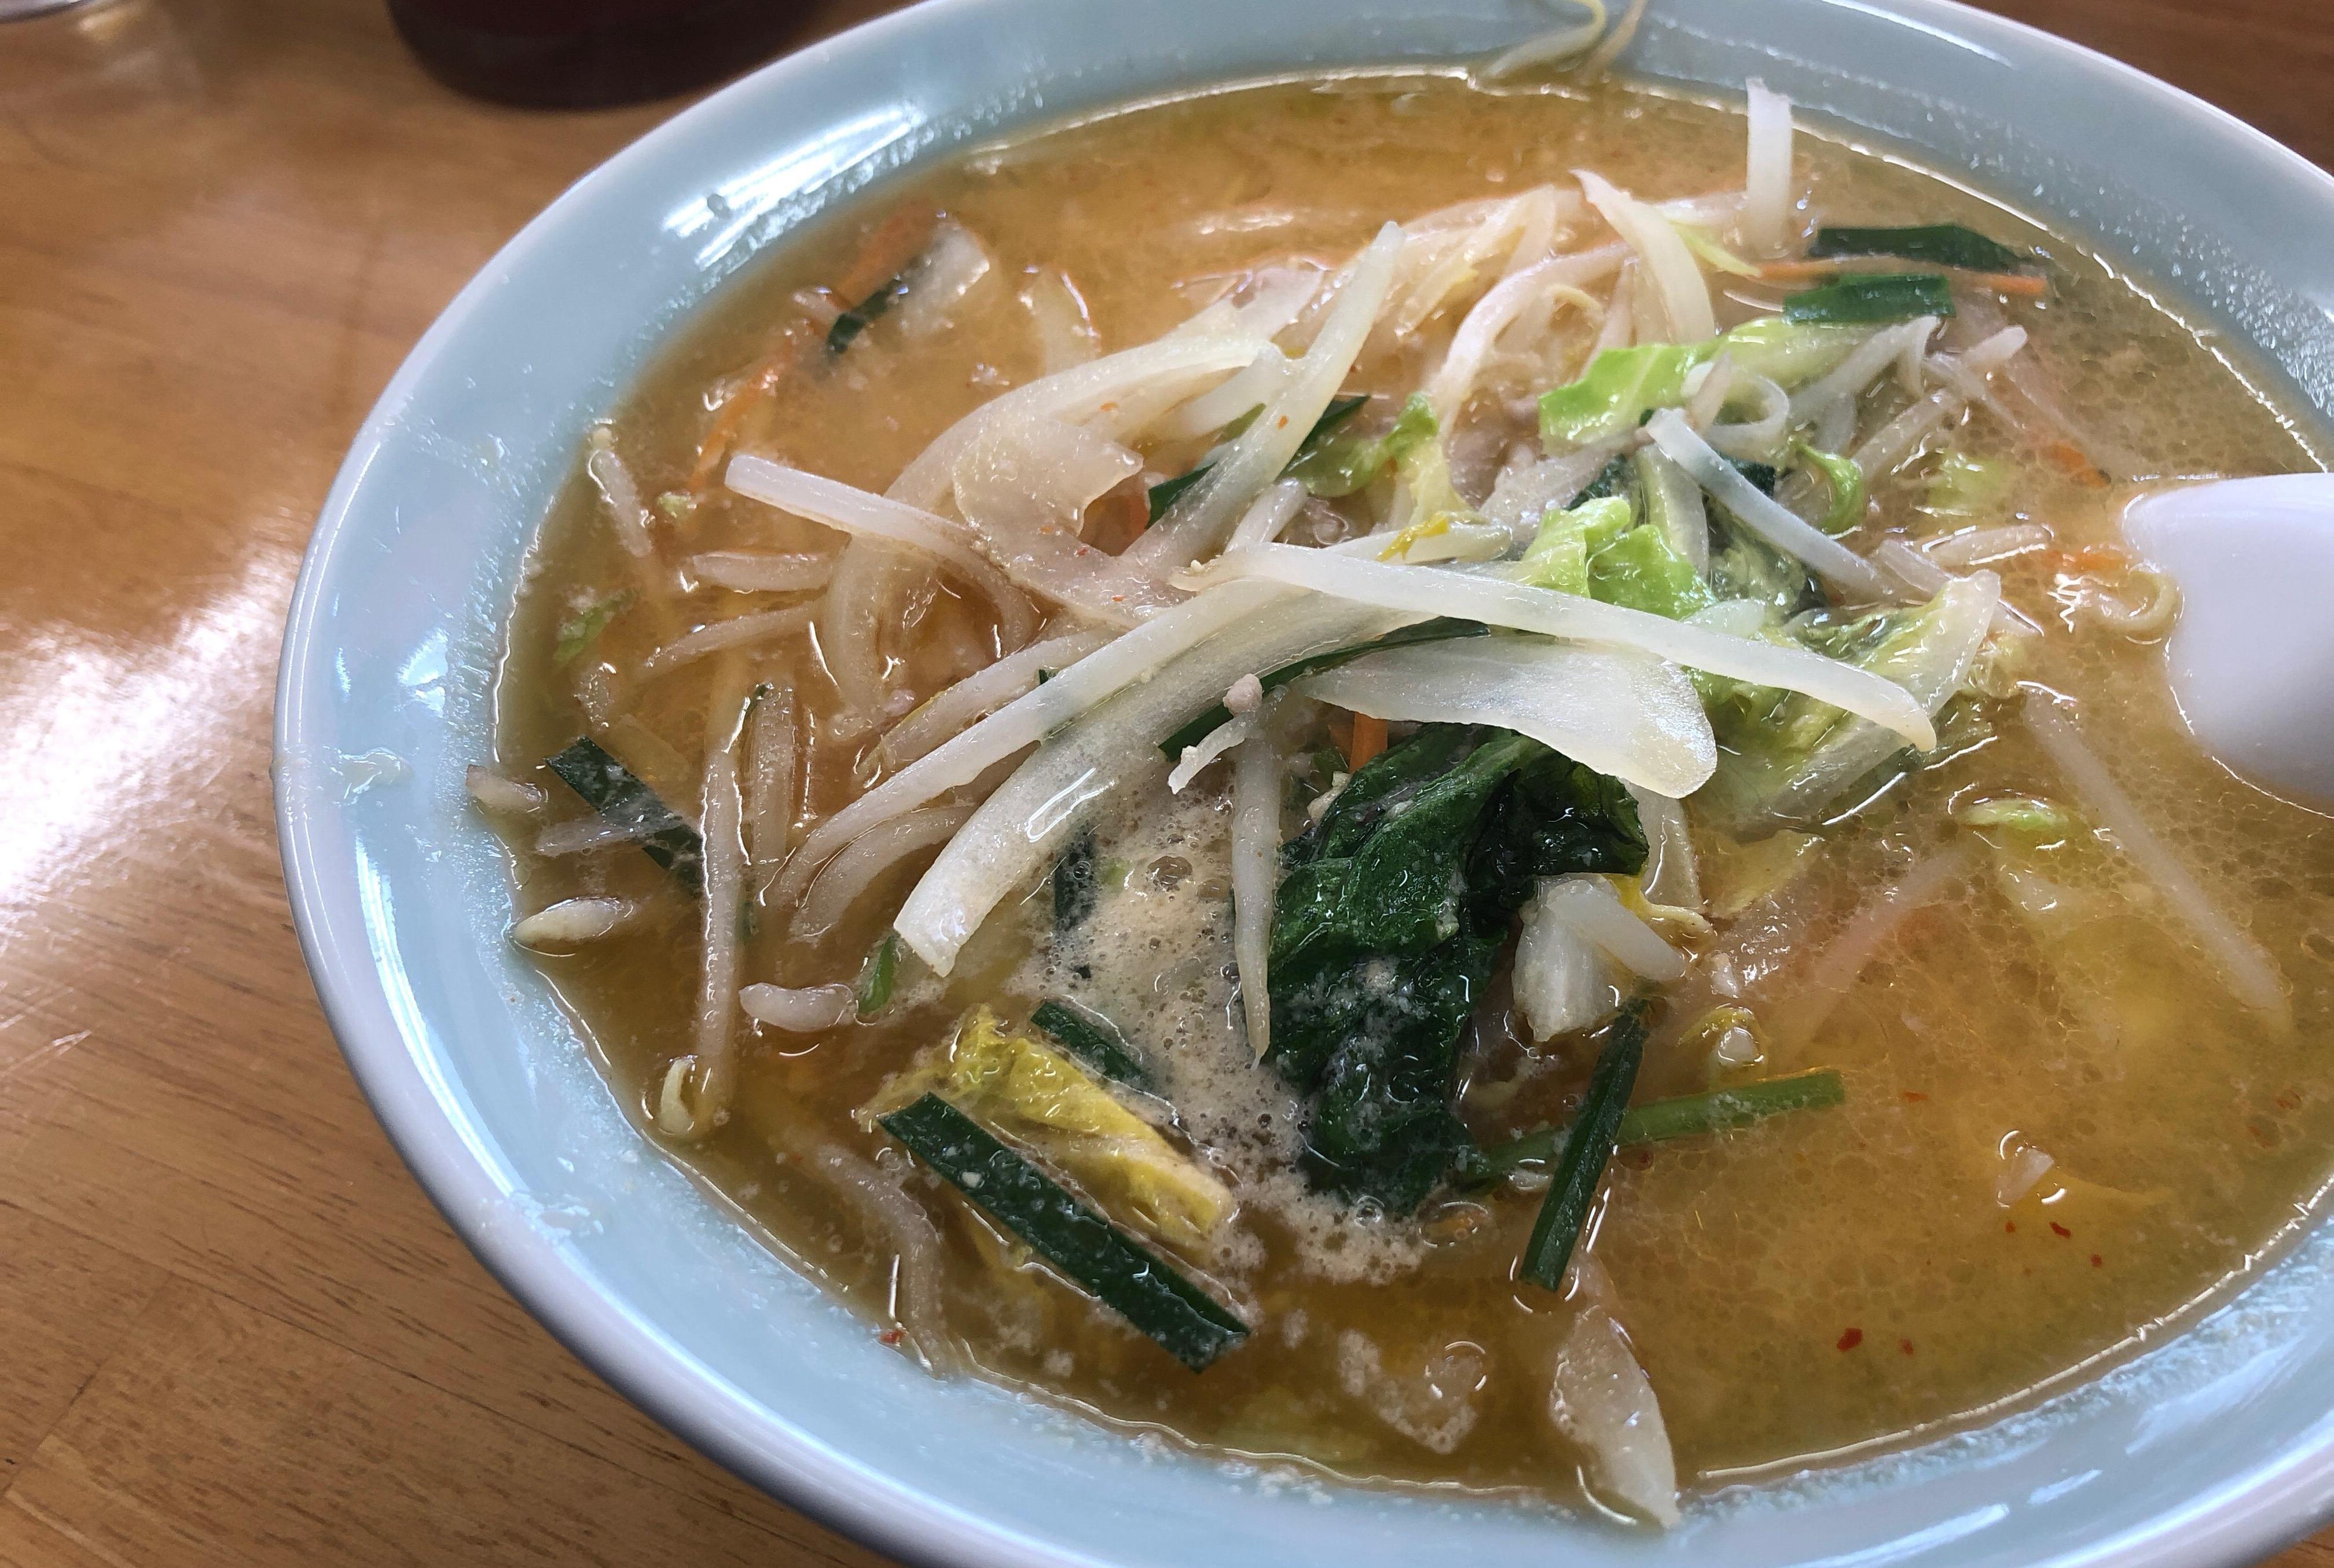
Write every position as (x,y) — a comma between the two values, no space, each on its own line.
(1393,911)
(1553,818)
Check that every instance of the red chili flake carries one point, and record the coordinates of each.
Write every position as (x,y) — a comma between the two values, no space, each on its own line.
(1905,1345)
(2010,1225)
(1915,1094)
(890,1336)
(1281,423)
(2096,1262)
(2058,1229)
(1851,1338)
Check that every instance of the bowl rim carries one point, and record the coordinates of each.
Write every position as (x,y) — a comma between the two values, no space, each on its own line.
(2243,1521)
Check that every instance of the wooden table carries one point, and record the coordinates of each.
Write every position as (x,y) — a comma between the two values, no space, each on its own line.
(232,1330)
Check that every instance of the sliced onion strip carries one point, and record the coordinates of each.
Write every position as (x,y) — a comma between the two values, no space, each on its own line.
(982,692)
(1422,590)
(1024,721)
(1167,369)
(854,511)
(737,631)
(1023,826)
(1203,515)
(1676,276)
(842,879)
(1622,713)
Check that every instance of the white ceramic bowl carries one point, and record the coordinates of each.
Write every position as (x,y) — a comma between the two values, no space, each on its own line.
(2216,1447)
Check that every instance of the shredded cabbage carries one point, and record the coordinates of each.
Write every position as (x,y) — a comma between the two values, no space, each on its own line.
(1793,761)
(1673,505)
(1791,353)
(1844,481)
(1423,489)
(1562,982)
(1345,463)
(1034,1094)
(1620,387)
(1640,571)
(1963,487)
(1557,556)
(1600,550)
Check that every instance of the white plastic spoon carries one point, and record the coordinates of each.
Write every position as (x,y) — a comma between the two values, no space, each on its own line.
(2251,656)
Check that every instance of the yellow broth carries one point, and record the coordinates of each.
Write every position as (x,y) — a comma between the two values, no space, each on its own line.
(1824,1280)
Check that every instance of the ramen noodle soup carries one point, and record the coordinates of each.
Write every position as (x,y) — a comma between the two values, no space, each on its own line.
(1446,784)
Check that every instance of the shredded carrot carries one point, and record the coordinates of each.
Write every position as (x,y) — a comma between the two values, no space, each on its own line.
(2069,459)
(1118,516)
(888,246)
(794,344)
(1369,739)
(1793,271)
(2100,558)
(2027,285)
(1340,726)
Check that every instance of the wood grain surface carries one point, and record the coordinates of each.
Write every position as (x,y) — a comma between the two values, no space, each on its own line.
(232,1330)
